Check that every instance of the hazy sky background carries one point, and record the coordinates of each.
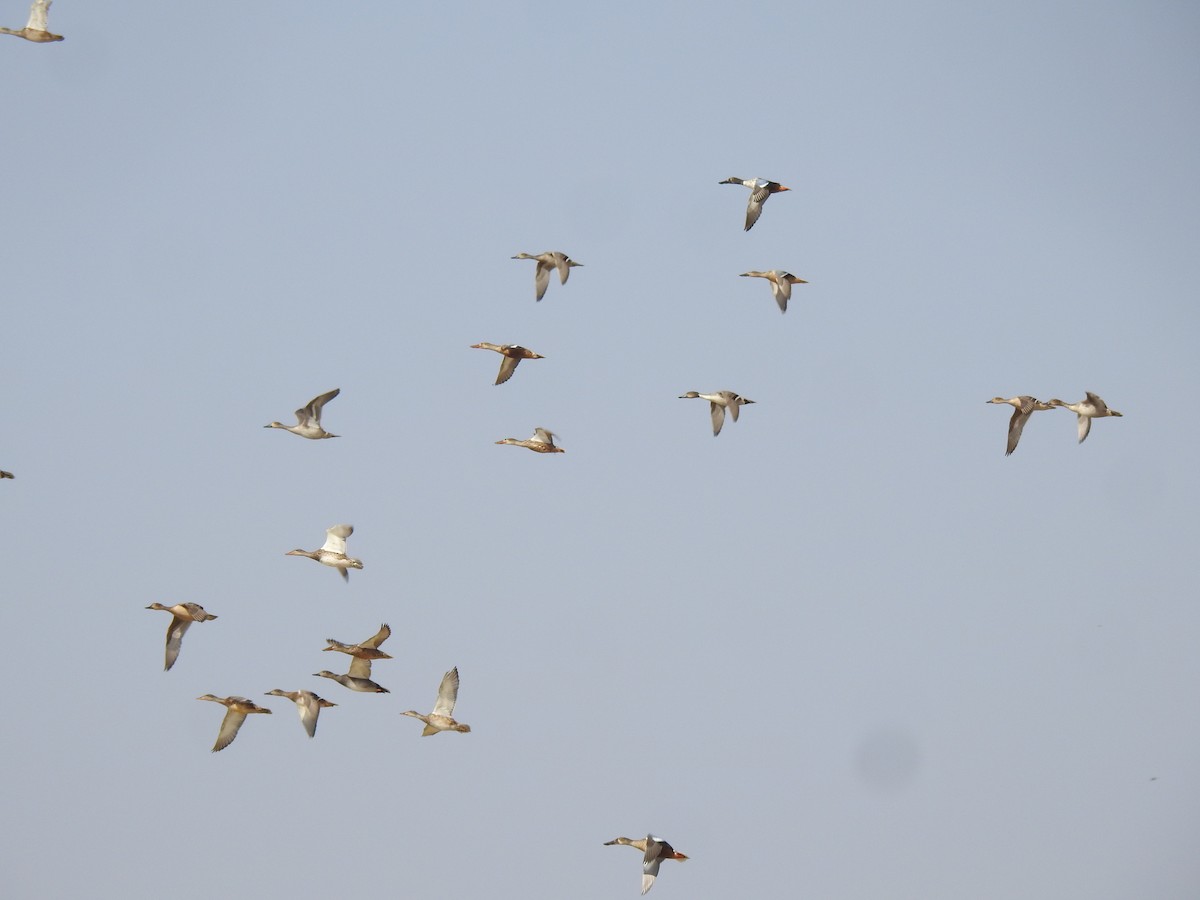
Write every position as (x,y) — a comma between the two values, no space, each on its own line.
(845,650)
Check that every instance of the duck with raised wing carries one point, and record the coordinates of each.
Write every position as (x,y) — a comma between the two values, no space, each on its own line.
(512,353)
(308,704)
(654,850)
(182,617)
(781,284)
(546,263)
(333,551)
(719,402)
(308,418)
(443,710)
(542,441)
(359,676)
(237,710)
(1090,407)
(35,29)
(1023,407)
(368,649)
(760,190)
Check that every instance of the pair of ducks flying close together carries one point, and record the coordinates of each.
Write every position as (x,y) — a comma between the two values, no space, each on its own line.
(1090,407)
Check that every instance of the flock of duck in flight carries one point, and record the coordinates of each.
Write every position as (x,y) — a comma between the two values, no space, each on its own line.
(333,552)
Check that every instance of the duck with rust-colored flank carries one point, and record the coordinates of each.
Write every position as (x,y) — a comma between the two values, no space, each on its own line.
(542,441)
(719,402)
(512,353)
(368,649)
(333,551)
(781,284)
(182,617)
(654,850)
(35,29)
(237,710)
(308,704)
(760,190)
(1090,407)
(443,710)
(546,263)
(1023,406)
(308,418)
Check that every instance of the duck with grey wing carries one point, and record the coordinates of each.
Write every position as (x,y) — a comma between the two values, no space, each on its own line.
(368,649)
(542,441)
(654,851)
(308,705)
(547,262)
(1090,407)
(718,403)
(1023,407)
(308,418)
(781,284)
(441,719)
(359,676)
(237,708)
(760,190)
(333,551)
(36,29)
(182,617)
(512,353)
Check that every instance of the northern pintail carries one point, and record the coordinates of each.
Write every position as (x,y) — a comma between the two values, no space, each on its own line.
(368,649)
(443,710)
(333,551)
(760,190)
(308,418)
(308,704)
(35,29)
(238,708)
(781,284)
(1023,407)
(512,353)
(359,676)
(182,617)
(542,441)
(654,850)
(719,402)
(1090,407)
(546,262)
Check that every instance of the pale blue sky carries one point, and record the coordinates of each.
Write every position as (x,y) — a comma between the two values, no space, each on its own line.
(845,650)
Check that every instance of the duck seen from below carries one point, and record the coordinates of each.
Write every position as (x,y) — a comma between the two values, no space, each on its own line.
(719,402)
(308,705)
(655,850)
(760,190)
(36,29)
(1090,407)
(368,649)
(182,617)
(333,551)
(237,710)
(512,353)
(547,262)
(443,710)
(781,284)
(308,418)
(1023,407)
(542,441)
